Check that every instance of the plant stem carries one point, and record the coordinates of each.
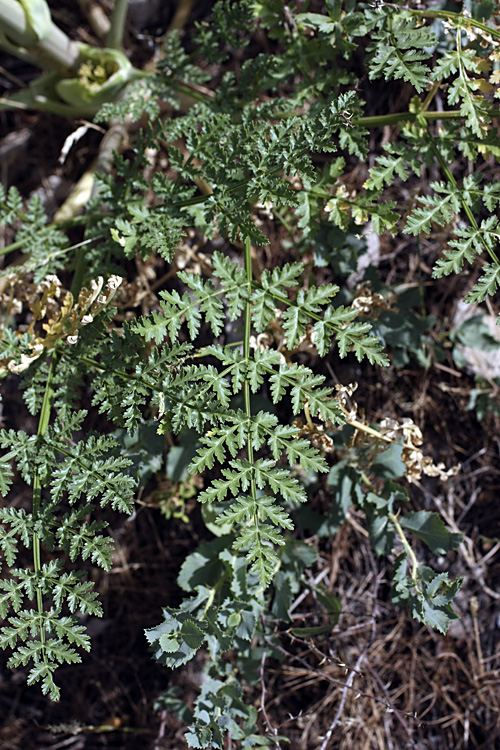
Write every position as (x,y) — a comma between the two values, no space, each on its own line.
(25,100)
(14,246)
(114,38)
(43,423)
(213,592)
(430,96)
(396,117)
(246,384)
(370,431)
(309,421)
(407,546)
(246,337)
(51,50)
(80,265)
(447,171)
(459,19)
(183,88)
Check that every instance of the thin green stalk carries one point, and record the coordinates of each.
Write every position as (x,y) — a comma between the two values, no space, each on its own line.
(14,246)
(80,266)
(43,423)
(19,243)
(407,546)
(24,100)
(393,119)
(460,20)
(430,96)
(246,355)
(183,88)
(284,221)
(447,171)
(247,332)
(114,38)
(6,104)
(213,592)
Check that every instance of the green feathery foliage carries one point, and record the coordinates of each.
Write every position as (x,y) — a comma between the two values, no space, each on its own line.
(231,351)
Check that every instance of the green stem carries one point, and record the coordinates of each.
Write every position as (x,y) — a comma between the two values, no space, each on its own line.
(407,546)
(25,100)
(114,38)
(461,21)
(189,91)
(447,171)
(246,384)
(14,246)
(80,266)
(430,96)
(43,423)
(392,119)
(47,47)
(246,334)
(213,592)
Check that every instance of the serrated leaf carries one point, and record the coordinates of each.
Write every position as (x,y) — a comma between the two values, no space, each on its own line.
(168,644)
(400,49)
(202,567)
(385,168)
(487,284)
(192,635)
(358,338)
(431,210)
(430,529)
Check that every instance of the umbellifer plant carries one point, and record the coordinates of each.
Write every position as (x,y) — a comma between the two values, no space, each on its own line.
(228,336)
(80,77)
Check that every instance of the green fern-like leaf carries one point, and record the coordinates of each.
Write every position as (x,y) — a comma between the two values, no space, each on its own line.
(272,284)
(399,48)
(259,542)
(357,337)
(487,284)
(470,242)
(464,87)
(432,210)
(233,279)
(386,168)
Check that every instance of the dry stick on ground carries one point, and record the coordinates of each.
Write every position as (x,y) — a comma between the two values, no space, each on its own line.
(324,675)
(353,672)
(343,696)
(272,730)
(384,690)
